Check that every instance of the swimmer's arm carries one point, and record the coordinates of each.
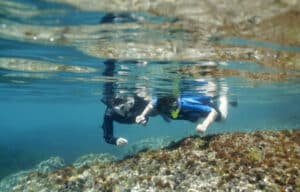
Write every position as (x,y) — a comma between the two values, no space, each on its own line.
(147,109)
(141,118)
(207,121)
(108,130)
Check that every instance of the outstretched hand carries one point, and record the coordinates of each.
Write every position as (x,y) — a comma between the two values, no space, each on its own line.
(121,141)
(141,120)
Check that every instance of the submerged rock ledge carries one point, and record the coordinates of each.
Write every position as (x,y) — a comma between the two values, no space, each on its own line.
(261,161)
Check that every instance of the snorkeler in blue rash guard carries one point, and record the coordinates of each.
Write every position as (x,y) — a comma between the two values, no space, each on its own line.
(191,108)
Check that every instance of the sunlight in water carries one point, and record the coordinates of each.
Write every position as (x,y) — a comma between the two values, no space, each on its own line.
(182,68)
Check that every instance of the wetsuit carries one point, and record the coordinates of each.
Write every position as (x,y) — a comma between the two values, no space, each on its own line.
(114,110)
(129,116)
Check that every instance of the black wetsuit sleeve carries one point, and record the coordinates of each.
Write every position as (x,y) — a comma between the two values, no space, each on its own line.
(108,129)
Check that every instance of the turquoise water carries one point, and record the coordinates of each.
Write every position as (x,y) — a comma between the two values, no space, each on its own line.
(52,58)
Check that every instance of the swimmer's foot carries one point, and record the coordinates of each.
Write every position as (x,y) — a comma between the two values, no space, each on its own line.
(201,128)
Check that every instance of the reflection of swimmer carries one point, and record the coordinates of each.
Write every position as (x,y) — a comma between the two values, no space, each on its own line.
(185,107)
(122,17)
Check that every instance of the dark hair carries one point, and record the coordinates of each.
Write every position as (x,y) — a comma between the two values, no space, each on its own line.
(118,101)
(166,104)
(115,101)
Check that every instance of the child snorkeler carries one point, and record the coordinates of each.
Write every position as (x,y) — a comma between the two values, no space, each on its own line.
(187,107)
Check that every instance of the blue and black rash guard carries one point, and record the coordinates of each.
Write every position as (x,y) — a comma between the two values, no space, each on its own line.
(189,108)
(129,117)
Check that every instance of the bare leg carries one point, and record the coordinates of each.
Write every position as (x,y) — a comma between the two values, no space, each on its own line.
(223,107)
(209,119)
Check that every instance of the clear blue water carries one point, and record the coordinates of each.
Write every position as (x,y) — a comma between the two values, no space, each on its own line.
(57,112)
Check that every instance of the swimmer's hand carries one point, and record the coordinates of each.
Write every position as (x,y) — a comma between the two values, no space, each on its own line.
(141,120)
(121,141)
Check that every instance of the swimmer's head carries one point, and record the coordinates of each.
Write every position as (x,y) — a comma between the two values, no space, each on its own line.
(122,105)
(166,104)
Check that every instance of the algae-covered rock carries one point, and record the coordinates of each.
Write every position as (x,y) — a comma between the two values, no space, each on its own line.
(255,161)
(50,165)
(149,144)
(53,163)
(255,154)
(94,158)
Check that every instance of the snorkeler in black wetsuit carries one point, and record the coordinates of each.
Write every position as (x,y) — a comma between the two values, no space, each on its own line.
(122,109)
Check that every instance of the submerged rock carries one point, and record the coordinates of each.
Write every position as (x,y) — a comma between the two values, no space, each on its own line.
(49,165)
(44,167)
(149,144)
(261,161)
(94,158)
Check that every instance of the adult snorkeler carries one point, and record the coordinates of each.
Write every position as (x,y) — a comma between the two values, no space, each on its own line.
(120,108)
